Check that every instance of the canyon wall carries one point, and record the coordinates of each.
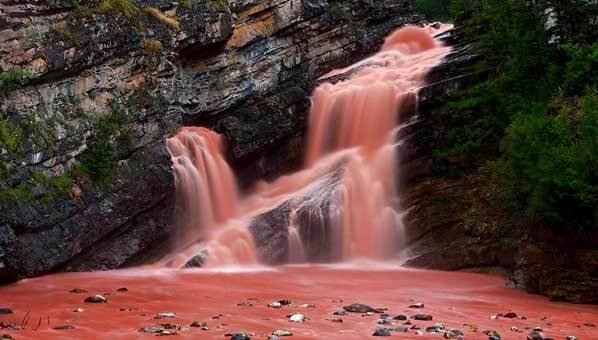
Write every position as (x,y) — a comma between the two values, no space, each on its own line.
(91,89)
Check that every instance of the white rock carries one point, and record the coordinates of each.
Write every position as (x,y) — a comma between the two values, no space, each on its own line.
(298,318)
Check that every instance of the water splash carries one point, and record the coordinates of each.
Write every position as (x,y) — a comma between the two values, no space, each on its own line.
(344,203)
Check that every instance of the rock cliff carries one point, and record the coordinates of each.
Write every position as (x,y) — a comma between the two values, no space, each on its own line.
(89,90)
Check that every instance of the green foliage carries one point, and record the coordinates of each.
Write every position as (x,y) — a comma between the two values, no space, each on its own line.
(125,7)
(99,159)
(184,4)
(12,79)
(68,35)
(81,11)
(553,160)
(435,10)
(547,165)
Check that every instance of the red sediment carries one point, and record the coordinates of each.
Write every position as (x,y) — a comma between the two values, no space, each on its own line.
(452,298)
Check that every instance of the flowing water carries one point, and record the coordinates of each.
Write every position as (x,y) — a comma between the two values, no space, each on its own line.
(351,134)
(347,187)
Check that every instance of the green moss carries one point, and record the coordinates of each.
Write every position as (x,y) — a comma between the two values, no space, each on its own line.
(184,4)
(81,11)
(12,79)
(99,159)
(68,35)
(125,7)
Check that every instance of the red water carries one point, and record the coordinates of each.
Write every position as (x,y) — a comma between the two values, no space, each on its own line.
(353,125)
(452,298)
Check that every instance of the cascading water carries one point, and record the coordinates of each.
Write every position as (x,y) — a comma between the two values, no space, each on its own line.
(345,199)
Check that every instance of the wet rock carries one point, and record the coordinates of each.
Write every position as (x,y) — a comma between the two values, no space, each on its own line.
(78,310)
(238,336)
(165,316)
(492,334)
(78,291)
(6,311)
(275,304)
(400,317)
(422,317)
(417,305)
(359,308)
(435,329)
(198,260)
(96,299)
(281,332)
(64,328)
(385,321)
(382,331)
(297,318)
(150,329)
(199,324)
(400,329)
(538,335)
(122,289)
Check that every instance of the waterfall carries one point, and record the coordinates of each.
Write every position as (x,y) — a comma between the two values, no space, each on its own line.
(344,203)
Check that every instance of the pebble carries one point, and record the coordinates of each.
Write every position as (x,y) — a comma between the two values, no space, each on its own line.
(281,332)
(6,311)
(359,308)
(384,321)
(245,304)
(297,318)
(6,337)
(165,316)
(307,305)
(516,330)
(64,328)
(435,329)
(275,304)
(400,317)
(122,289)
(369,313)
(341,311)
(510,315)
(124,309)
(238,336)
(382,331)
(400,329)
(419,333)
(150,329)
(422,317)
(334,319)
(492,334)
(571,337)
(417,305)
(217,316)
(78,310)
(96,299)
(537,335)
(78,291)
(199,324)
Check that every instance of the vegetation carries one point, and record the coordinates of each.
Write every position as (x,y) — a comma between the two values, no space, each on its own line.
(68,35)
(99,159)
(541,108)
(10,80)
(151,45)
(126,7)
(161,17)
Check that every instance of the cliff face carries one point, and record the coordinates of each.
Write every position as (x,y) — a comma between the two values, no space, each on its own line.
(90,90)
(455,223)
